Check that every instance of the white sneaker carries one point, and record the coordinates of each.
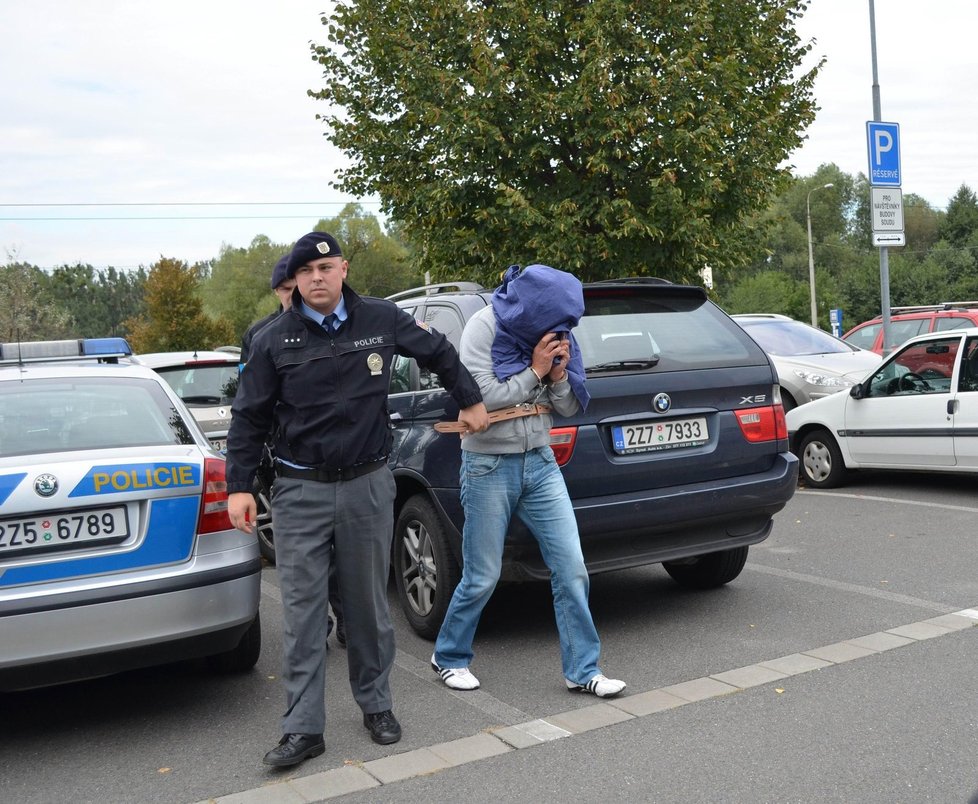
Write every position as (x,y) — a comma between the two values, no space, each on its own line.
(599,685)
(456,678)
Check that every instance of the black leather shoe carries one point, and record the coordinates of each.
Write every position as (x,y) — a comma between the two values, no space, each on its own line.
(340,631)
(294,748)
(384,728)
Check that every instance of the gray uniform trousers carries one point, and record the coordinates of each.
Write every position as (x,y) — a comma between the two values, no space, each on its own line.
(354,519)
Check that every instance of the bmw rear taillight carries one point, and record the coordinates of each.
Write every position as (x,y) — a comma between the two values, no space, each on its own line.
(562,441)
(762,424)
(214,503)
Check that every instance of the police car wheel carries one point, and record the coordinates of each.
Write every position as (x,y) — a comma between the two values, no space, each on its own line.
(244,655)
(425,570)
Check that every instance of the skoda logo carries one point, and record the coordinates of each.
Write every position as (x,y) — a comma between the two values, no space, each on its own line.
(661,403)
(45,485)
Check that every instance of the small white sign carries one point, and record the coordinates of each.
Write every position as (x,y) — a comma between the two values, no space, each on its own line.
(887,209)
(889,239)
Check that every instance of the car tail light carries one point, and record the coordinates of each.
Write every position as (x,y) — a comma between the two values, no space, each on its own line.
(762,424)
(214,503)
(562,440)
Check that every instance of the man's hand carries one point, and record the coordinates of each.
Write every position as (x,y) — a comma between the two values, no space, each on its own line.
(243,510)
(474,417)
(550,356)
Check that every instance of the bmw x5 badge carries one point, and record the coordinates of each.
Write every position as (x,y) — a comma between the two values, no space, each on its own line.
(661,403)
(45,485)
(375,363)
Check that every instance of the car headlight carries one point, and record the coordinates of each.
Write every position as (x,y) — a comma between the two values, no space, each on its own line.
(824,380)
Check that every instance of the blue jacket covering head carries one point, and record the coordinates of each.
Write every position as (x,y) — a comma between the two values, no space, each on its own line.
(531,302)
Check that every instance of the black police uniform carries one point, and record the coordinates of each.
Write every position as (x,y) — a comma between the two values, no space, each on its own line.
(253,330)
(334,593)
(327,396)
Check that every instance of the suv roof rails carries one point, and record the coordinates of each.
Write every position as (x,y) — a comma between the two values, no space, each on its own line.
(439,287)
(921,308)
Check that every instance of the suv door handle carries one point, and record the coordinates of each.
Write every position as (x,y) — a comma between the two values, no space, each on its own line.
(396,417)
(952,407)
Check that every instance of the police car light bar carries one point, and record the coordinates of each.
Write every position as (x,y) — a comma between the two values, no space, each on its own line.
(81,348)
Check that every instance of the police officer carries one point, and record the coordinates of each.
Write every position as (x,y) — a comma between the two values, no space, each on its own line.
(283,286)
(323,369)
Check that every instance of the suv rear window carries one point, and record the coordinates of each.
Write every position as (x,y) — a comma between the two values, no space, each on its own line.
(672,331)
(54,415)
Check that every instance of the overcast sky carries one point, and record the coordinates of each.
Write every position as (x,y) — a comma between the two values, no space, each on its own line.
(113,108)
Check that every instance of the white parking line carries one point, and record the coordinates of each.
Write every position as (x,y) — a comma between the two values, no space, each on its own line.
(857,589)
(874,498)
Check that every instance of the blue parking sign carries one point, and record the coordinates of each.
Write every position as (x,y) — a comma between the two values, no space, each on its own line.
(884,153)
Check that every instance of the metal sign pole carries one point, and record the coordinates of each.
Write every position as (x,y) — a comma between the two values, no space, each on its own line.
(884,252)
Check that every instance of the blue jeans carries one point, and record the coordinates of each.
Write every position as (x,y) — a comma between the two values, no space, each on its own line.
(494,487)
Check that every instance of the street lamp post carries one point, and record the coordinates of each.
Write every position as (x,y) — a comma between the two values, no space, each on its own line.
(811,258)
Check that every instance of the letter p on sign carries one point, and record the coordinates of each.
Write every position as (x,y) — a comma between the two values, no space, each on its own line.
(884,143)
(883,140)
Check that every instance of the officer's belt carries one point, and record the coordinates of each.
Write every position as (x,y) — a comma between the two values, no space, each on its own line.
(500,415)
(328,475)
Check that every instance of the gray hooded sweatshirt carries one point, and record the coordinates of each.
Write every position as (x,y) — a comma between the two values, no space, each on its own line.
(512,435)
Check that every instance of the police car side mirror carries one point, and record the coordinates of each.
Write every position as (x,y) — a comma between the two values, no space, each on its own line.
(857,391)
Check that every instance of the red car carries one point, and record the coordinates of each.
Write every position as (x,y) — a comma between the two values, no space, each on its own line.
(906,322)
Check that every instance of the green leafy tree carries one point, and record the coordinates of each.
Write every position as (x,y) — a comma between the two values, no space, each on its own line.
(922,224)
(26,313)
(379,264)
(961,220)
(237,288)
(99,302)
(769,292)
(174,319)
(607,138)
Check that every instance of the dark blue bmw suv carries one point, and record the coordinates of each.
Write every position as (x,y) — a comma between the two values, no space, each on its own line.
(681,457)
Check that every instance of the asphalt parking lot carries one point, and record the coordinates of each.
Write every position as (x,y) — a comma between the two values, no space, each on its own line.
(838,667)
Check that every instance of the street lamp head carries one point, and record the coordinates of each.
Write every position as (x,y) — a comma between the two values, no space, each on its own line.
(826,186)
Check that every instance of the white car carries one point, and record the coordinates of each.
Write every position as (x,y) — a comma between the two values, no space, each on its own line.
(116,550)
(811,364)
(918,411)
(205,381)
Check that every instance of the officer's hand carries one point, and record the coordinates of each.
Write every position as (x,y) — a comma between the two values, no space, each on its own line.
(243,510)
(475,418)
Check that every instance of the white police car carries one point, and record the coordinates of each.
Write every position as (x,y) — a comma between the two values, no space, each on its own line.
(116,550)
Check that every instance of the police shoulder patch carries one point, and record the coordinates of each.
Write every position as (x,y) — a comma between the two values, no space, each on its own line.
(293,339)
(423,325)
